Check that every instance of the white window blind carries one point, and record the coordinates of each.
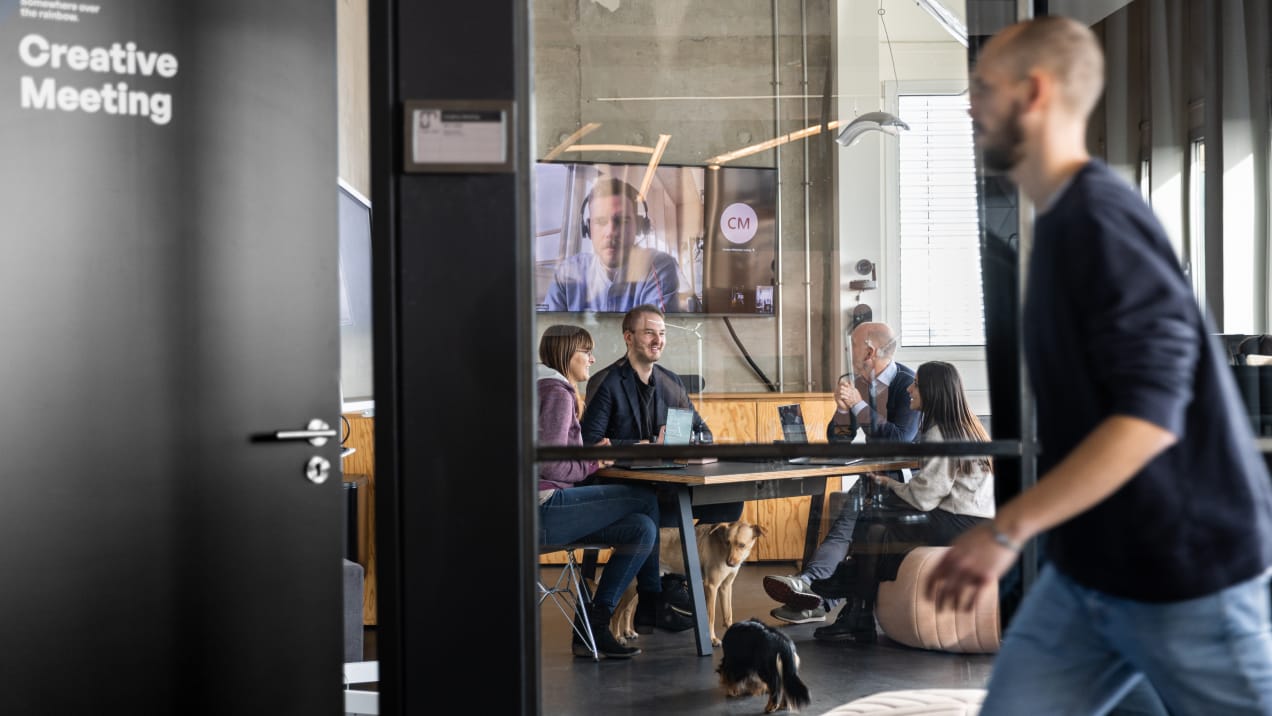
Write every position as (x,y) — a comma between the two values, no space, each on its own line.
(941,298)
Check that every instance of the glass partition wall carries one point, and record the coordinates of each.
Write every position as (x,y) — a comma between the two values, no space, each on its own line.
(774,240)
(783,171)
(770,175)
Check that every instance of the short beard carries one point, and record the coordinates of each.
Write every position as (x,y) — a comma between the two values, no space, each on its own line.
(1004,155)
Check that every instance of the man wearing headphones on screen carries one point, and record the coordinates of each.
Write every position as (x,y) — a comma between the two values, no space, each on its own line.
(616,275)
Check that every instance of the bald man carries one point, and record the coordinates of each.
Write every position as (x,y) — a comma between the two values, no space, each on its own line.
(1153,495)
(876,401)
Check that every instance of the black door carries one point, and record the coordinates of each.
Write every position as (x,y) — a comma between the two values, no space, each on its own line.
(168,204)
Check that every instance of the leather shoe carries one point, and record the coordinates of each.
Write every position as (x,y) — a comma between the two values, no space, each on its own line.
(840,585)
(855,623)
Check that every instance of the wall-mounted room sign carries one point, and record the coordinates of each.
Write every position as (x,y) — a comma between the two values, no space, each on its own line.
(458,136)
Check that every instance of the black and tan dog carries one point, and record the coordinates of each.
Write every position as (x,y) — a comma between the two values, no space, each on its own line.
(759,659)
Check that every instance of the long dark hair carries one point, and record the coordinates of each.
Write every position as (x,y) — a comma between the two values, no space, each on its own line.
(557,347)
(945,407)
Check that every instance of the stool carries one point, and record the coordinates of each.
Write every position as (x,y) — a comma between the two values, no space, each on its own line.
(912,702)
(907,616)
(569,592)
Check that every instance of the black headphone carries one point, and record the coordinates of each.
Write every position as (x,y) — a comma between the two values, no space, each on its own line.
(618,187)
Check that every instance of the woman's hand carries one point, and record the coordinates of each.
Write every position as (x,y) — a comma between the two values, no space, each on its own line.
(882,480)
(604,463)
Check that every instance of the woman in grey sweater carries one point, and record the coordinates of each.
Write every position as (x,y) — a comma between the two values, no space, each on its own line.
(947,496)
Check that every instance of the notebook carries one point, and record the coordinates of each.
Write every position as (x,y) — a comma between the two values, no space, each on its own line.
(678,431)
(792,419)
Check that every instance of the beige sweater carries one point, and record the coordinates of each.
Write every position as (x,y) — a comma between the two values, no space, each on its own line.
(936,486)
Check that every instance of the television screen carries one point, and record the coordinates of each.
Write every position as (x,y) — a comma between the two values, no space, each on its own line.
(696,240)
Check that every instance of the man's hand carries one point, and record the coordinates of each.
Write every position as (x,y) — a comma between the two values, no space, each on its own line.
(974,561)
(846,396)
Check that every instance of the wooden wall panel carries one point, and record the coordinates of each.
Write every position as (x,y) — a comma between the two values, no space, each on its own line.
(353,103)
(361,437)
(731,421)
(784,523)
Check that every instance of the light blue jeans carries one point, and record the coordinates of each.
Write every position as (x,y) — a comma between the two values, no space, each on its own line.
(1075,651)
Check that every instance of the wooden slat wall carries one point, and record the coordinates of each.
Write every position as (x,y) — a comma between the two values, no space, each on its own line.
(752,417)
(362,463)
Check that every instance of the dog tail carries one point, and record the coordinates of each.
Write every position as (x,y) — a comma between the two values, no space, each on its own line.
(794,688)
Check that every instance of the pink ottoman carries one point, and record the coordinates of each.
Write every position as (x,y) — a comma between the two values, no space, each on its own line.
(909,617)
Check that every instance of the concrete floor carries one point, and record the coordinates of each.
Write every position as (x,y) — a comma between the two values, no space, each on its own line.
(670,678)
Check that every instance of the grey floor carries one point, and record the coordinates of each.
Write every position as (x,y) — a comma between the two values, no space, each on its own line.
(670,678)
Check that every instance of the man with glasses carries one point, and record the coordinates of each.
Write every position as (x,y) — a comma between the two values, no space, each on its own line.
(616,274)
(876,401)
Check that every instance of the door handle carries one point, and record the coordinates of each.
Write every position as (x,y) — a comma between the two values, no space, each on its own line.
(316,432)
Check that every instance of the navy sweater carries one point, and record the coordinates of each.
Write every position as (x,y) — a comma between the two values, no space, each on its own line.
(1111,328)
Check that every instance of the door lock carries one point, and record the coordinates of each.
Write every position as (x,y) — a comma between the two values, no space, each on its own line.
(317,469)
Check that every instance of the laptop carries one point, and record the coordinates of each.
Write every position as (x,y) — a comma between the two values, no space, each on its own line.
(792,419)
(678,431)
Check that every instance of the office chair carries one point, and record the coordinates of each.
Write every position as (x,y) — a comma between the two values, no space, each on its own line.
(570,590)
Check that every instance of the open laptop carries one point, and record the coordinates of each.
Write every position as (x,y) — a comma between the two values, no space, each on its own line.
(792,419)
(678,430)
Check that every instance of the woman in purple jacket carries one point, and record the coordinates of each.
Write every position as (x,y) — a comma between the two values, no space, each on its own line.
(623,516)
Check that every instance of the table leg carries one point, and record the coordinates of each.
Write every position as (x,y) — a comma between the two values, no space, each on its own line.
(693,570)
(816,505)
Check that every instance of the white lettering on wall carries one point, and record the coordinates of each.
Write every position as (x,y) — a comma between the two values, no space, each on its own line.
(118,58)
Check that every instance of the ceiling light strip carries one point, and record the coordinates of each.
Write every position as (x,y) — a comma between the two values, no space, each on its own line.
(610,148)
(770,143)
(659,148)
(570,140)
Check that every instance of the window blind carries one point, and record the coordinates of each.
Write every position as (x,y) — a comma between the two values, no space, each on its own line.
(941,297)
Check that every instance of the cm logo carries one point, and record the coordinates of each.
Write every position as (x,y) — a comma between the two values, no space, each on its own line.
(739,223)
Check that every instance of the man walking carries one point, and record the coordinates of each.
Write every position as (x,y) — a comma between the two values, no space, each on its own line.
(1155,500)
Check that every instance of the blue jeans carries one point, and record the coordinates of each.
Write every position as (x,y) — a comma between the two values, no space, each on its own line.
(1073,650)
(622,516)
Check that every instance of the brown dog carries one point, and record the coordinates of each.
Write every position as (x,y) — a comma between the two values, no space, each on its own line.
(722,548)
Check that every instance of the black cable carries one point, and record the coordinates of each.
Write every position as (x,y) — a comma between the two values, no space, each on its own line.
(738,341)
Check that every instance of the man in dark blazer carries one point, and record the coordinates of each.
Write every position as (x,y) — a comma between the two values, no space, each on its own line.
(627,402)
(877,402)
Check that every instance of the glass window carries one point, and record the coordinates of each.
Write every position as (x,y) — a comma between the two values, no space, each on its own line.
(941,296)
(1196,261)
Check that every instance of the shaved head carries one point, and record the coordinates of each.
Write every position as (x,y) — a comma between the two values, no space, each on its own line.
(878,336)
(1062,47)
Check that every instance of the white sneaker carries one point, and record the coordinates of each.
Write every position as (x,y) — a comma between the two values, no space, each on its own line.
(790,615)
